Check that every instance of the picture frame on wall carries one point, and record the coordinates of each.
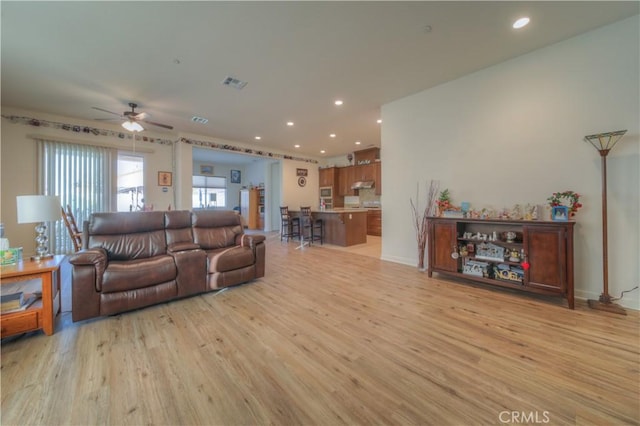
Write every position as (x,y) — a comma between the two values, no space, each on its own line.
(560,213)
(206,169)
(165,179)
(235,176)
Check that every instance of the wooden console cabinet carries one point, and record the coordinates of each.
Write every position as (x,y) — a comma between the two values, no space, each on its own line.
(547,247)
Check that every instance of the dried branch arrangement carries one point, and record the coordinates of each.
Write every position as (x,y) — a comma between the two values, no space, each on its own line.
(420,218)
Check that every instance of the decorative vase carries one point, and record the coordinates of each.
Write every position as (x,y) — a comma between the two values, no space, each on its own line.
(421,251)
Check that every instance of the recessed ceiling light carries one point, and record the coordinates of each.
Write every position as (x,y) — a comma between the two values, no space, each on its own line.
(332,135)
(322,151)
(358,142)
(296,146)
(289,123)
(338,102)
(521,22)
(258,138)
(379,121)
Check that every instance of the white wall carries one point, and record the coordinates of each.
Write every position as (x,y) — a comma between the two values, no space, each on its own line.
(294,195)
(513,133)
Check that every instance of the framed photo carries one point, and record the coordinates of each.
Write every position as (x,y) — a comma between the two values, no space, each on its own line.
(235,176)
(206,169)
(302,172)
(165,178)
(560,213)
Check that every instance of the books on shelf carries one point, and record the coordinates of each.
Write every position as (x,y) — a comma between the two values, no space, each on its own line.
(11,301)
(17,301)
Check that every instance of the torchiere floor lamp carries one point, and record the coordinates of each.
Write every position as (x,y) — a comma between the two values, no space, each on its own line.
(604,142)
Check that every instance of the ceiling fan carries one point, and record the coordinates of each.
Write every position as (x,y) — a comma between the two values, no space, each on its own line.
(132,119)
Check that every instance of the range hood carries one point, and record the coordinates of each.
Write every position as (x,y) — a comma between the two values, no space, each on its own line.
(366,184)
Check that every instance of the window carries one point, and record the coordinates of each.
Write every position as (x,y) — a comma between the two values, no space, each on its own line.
(130,182)
(81,175)
(209,192)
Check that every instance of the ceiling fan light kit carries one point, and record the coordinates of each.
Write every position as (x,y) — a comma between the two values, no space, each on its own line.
(132,118)
(132,126)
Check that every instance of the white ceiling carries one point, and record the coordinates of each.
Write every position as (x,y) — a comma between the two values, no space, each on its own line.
(297,57)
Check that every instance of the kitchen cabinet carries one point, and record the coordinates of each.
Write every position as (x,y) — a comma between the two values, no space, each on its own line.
(374,222)
(328,177)
(364,172)
(369,154)
(346,178)
(378,178)
(530,256)
(349,175)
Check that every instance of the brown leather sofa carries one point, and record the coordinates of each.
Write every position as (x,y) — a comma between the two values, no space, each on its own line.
(136,259)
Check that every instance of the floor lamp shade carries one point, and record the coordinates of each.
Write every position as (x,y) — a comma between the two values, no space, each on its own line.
(39,209)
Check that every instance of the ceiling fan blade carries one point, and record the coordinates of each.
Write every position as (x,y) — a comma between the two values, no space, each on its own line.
(110,112)
(166,126)
(107,119)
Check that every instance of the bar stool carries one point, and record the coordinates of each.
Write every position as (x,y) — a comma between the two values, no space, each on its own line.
(289,226)
(313,229)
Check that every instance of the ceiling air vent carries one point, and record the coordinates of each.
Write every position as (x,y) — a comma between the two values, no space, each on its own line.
(199,120)
(234,82)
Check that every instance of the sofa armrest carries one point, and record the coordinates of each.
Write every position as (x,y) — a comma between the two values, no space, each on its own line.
(251,241)
(191,263)
(96,257)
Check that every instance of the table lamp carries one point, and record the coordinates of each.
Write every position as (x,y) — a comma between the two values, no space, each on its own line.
(39,209)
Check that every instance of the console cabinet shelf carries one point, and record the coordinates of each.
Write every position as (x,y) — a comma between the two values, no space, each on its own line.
(547,247)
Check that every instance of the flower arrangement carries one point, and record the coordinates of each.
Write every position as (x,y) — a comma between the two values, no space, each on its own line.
(444,200)
(572,198)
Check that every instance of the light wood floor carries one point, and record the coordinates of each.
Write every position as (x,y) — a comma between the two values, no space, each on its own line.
(372,248)
(327,339)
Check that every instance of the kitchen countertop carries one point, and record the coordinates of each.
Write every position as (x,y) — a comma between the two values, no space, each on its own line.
(340,210)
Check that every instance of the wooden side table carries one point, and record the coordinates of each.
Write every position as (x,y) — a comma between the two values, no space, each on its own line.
(42,314)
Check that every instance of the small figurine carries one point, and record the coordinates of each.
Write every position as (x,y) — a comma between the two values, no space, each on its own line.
(516,212)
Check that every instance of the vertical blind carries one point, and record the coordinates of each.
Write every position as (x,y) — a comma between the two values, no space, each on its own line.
(82,176)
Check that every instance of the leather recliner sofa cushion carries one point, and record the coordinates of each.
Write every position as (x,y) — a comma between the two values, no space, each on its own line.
(139,273)
(229,259)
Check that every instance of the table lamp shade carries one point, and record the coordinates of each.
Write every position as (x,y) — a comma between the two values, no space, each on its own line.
(38,208)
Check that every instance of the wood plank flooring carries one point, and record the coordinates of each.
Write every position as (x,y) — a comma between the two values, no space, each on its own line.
(330,338)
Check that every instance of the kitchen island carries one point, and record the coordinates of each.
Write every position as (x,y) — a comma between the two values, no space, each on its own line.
(342,227)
